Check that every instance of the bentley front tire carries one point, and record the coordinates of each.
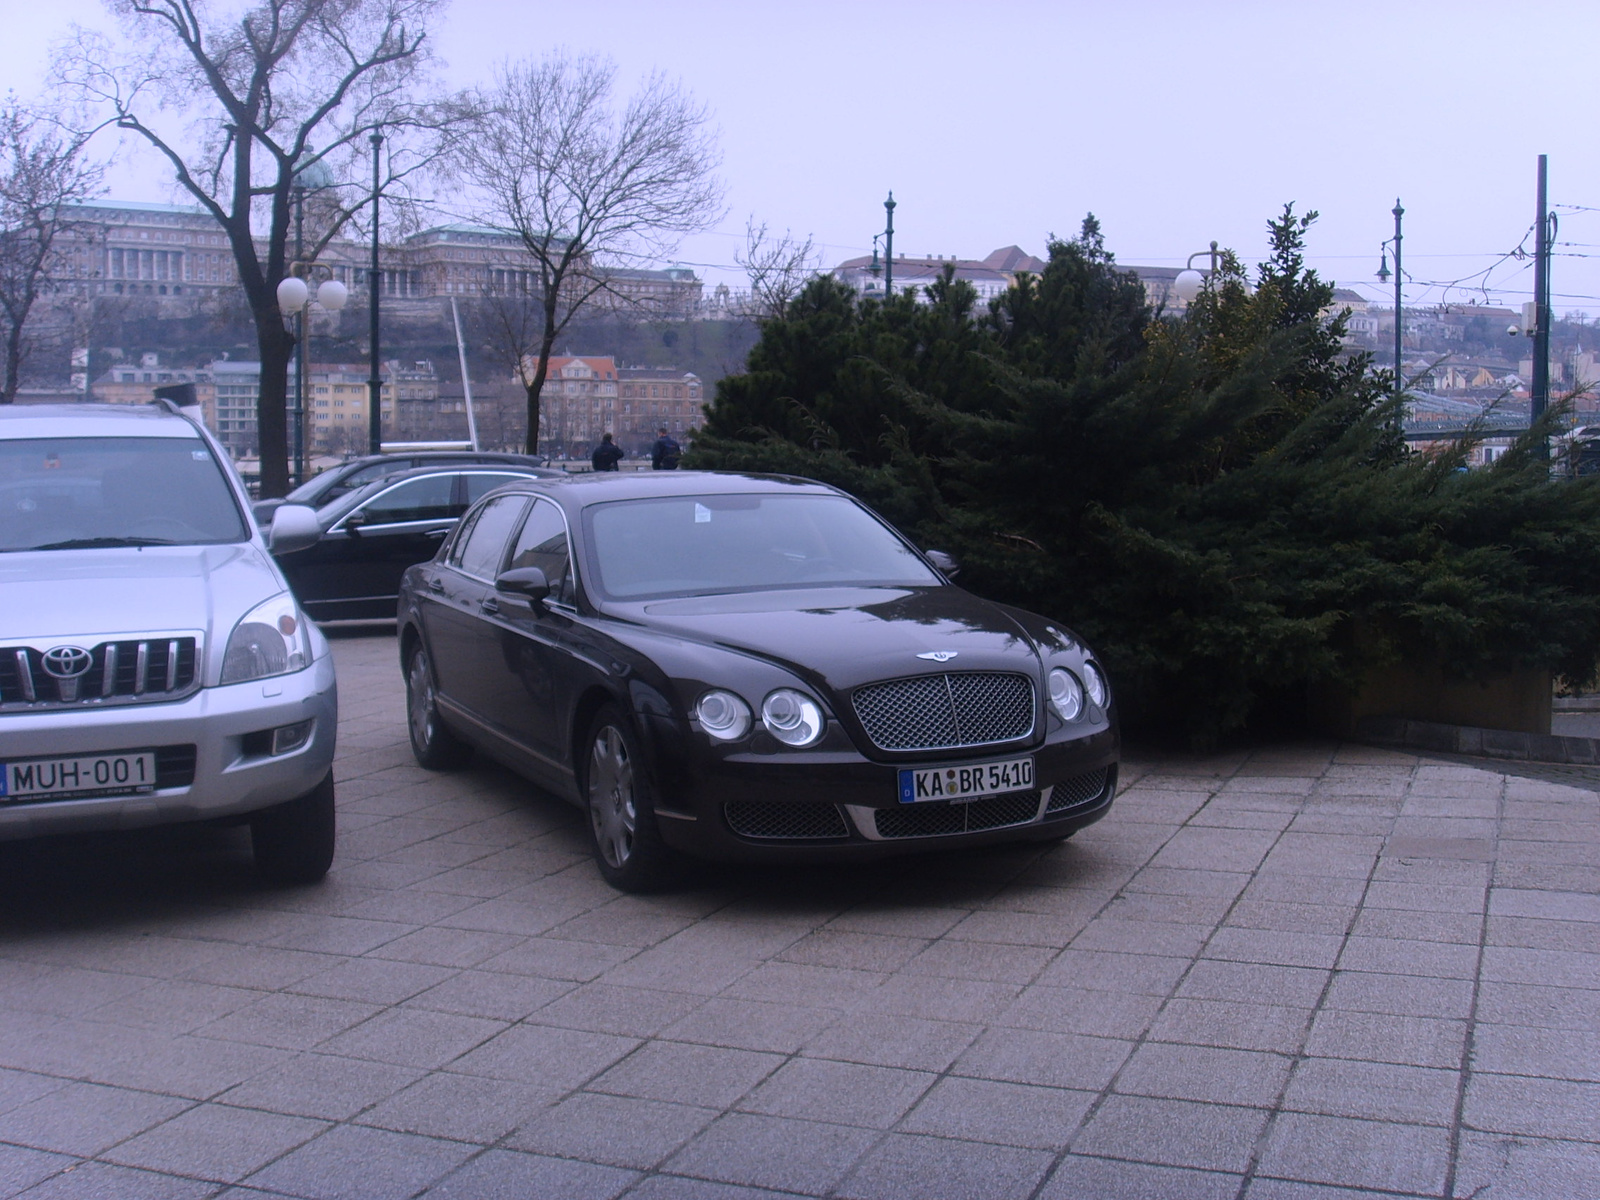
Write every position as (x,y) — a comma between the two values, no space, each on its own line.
(622,826)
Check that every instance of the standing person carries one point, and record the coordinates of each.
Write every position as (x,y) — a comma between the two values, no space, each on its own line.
(664,454)
(606,455)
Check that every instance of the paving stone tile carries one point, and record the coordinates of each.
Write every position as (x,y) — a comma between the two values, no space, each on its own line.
(288,1021)
(687,1073)
(624,1131)
(925,920)
(1048,1059)
(1419,926)
(104,1181)
(1077,1010)
(1176,1133)
(414,1037)
(1011,1114)
(1538,934)
(554,958)
(354,1160)
(1233,1024)
(1552,968)
(1099,970)
(491,994)
(545,1055)
(21,1168)
(461,1107)
(1081,1177)
(801,983)
(894,1041)
(1545,1108)
(441,947)
(373,981)
(1416,1041)
(1380,1155)
(991,961)
(839,1093)
(1173,881)
(1534,1004)
(321,1085)
(971,1000)
(1018,928)
(175,1006)
(509,1175)
(752,1025)
(1400,995)
(1396,956)
(1254,983)
(1290,916)
(86,1118)
(69,991)
(1340,893)
(1372,1090)
(260,967)
(1274,947)
(908,1165)
(21,1087)
(679,1187)
(1494,1165)
(773,1152)
(607,1008)
(1204,1073)
(214,1141)
(1523,1050)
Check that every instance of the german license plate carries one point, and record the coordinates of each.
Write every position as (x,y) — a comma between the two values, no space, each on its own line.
(968,781)
(75,777)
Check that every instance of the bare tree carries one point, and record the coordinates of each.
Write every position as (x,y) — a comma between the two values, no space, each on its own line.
(261,85)
(587,186)
(777,267)
(43,173)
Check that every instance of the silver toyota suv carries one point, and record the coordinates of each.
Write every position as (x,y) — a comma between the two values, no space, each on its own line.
(154,666)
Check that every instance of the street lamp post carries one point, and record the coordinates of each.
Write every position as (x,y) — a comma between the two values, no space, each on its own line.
(374,381)
(888,249)
(313,177)
(1383,276)
(295,295)
(1189,282)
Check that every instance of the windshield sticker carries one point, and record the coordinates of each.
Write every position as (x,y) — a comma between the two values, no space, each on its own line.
(702,514)
(200,456)
(52,462)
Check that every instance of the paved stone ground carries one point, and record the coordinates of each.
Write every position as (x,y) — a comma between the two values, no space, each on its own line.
(1297,973)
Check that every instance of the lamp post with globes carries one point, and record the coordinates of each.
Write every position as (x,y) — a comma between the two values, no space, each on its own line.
(313,176)
(1190,283)
(888,250)
(1399,279)
(295,295)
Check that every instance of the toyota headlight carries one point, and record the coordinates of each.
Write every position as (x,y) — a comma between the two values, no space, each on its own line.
(1066,694)
(723,716)
(273,638)
(792,717)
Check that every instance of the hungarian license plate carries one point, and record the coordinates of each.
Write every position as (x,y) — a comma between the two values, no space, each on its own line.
(965,782)
(73,777)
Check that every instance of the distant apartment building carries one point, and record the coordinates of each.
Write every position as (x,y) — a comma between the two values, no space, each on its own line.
(174,253)
(586,397)
(654,398)
(338,401)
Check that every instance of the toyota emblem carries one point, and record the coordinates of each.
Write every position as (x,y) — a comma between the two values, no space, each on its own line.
(67,662)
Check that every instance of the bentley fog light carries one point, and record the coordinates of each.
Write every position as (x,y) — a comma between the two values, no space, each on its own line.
(792,717)
(1066,694)
(723,716)
(271,639)
(1095,684)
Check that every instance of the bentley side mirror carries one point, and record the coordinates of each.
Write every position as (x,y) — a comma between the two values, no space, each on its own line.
(354,522)
(947,566)
(294,527)
(527,582)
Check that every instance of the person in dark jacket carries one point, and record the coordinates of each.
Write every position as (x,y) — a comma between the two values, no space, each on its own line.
(606,455)
(664,454)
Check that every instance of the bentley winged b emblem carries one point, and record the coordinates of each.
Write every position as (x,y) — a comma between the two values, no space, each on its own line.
(939,655)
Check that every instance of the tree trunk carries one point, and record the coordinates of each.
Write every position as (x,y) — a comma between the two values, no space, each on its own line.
(8,390)
(272,423)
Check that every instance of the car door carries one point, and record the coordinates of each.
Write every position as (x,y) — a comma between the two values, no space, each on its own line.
(530,683)
(459,618)
(353,572)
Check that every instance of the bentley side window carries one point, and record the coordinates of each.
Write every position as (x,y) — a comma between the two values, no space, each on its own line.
(425,499)
(484,547)
(543,544)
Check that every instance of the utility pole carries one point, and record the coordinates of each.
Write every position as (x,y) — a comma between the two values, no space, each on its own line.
(1539,397)
(375,381)
(888,249)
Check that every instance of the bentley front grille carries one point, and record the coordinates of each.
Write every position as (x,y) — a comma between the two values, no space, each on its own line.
(786,822)
(117,672)
(940,819)
(946,712)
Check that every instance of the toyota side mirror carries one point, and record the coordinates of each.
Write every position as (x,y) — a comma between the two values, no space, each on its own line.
(294,527)
(527,582)
(947,566)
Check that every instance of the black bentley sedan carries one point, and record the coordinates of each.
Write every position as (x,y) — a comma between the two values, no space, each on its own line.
(746,667)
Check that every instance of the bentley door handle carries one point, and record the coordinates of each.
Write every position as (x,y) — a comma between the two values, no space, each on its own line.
(436,585)
(491,605)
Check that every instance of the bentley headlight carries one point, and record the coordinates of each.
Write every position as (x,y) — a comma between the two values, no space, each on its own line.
(792,717)
(1066,694)
(273,638)
(1095,684)
(723,716)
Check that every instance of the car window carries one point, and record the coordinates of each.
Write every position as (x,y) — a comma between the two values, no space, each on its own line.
(483,549)
(481,483)
(543,544)
(426,499)
(66,492)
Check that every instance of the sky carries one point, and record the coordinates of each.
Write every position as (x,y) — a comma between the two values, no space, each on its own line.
(1176,122)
